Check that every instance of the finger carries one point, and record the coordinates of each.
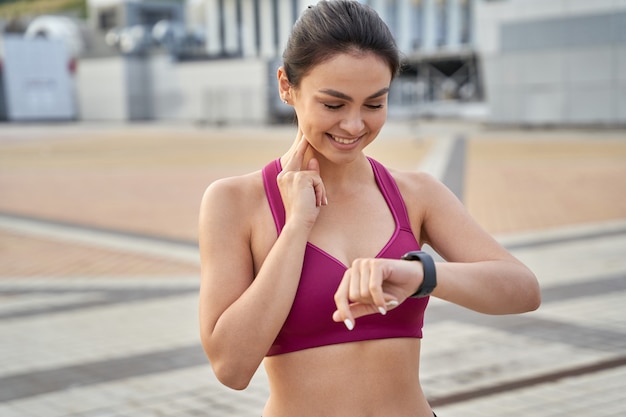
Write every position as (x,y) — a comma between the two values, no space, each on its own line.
(295,162)
(318,185)
(391,303)
(363,309)
(360,309)
(343,313)
(375,288)
(364,281)
(354,274)
(357,310)
(369,280)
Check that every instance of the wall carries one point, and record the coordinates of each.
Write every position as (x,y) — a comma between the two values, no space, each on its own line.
(216,92)
(157,88)
(102,90)
(556,62)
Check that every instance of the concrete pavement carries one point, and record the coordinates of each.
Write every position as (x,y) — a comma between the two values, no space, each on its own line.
(99,269)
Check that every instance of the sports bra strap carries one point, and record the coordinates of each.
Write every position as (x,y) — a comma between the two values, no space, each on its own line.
(270,172)
(390,190)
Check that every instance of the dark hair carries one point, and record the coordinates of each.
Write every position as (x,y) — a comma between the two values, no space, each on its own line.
(333,27)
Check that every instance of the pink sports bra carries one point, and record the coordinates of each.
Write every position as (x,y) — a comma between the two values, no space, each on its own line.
(309,323)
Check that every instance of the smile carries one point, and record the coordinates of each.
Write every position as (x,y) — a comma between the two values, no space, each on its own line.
(344,141)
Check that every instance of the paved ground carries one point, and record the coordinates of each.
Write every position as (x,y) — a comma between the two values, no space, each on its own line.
(99,268)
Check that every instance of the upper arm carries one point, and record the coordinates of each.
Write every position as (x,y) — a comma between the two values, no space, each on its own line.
(224,241)
(445,224)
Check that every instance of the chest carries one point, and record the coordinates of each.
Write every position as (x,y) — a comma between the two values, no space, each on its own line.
(356,226)
(349,228)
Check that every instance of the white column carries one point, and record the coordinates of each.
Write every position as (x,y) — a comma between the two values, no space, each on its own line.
(248,28)
(231,27)
(284,24)
(429,38)
(267,29)
(453,35)
(473,24)
(403,33)
(212,27)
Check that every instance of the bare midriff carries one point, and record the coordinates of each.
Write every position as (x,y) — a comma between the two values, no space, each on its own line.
(373,378)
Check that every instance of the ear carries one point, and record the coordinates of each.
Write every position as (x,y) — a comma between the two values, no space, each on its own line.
(284,86)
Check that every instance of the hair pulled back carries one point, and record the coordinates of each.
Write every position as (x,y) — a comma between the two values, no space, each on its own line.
(333,27)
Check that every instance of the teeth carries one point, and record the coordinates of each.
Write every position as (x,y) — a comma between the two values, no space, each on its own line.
(343,140)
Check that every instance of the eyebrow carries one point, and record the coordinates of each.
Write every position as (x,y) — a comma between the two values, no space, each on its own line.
(343,96)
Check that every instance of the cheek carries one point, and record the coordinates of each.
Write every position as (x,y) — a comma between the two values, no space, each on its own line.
(377,119)
(314,118)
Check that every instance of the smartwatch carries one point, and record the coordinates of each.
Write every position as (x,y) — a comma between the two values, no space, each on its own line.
(430,273)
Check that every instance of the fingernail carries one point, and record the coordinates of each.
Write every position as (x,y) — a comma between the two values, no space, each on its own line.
(348,324)
(391,303)
(382,310)
(325,201)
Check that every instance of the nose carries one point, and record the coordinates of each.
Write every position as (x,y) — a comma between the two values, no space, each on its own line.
(352,123)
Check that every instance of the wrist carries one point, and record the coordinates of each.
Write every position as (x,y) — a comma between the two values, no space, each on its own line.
(429,280)
(296,232)
(299,223)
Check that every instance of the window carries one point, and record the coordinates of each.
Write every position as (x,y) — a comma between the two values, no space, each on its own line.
(107,19)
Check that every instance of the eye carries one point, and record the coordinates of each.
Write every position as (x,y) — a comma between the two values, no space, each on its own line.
(331,107)
(374,106)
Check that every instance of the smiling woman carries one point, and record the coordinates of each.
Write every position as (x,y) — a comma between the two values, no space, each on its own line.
(313,265)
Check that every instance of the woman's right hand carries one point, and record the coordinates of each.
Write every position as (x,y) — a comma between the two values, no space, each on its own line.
(301,187)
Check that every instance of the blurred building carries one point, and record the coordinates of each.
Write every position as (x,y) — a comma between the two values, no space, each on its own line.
(534,62)
(557,62)
(215,60)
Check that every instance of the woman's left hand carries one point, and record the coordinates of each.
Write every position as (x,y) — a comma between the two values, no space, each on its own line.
(375,285)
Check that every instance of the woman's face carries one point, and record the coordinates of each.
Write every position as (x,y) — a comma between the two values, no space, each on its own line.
(341,104)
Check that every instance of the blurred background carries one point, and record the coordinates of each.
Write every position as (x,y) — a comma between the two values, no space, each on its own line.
(115,115)
(522,62)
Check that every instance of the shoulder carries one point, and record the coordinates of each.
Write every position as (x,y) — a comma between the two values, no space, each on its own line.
(430,204)
(407,181)
(424,192)
(417,184)
(230,187)
(228,199)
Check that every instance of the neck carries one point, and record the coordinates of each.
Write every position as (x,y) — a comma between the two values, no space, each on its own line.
(337,176)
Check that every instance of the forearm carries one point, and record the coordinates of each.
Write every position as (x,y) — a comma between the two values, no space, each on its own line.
(490,287)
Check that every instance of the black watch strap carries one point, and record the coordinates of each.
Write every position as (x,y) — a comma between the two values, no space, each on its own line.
(430,273)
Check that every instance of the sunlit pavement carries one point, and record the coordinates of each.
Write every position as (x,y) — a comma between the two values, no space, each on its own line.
(99,268)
